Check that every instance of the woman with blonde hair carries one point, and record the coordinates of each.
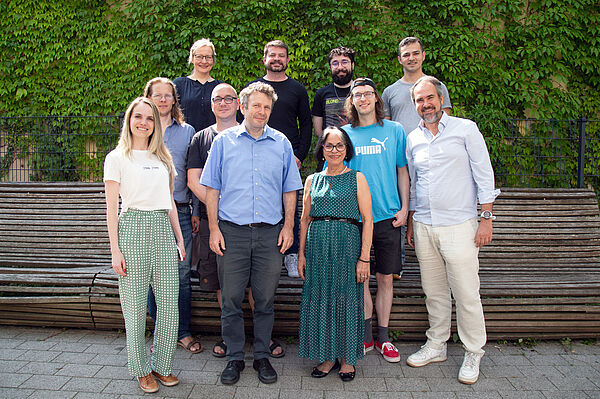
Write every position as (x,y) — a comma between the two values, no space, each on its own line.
(145,240)
(195,89)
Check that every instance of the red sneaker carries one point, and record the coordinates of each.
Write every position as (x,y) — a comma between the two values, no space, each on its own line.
(388,350)
(369,346)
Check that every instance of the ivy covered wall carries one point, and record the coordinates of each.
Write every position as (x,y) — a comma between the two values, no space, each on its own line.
(501,58)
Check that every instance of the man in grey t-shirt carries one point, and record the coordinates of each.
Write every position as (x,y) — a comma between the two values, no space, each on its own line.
(398,105)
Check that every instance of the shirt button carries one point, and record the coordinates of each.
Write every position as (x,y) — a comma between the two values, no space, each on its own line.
(256,184)
(255,168)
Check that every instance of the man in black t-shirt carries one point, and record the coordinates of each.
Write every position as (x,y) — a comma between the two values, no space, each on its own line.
(328,107)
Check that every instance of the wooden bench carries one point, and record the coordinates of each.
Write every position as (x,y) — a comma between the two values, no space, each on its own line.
(540,276)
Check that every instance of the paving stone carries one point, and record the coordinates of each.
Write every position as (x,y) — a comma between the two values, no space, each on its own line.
(36,345)
(593,394)
(107,349)
(385,370)
(574,359)
(218,365)
(566,395)
(522,395)
(447,384)
(478,395)
(101,337)
(579,371)
(571,383)
(76,347)
(501,371)
(45,394)
(49,382)
(11,380)
(81,384)
(15,393)
(77,358)
(10,366)
(189,364)
(546,360)
(108,360)
(11,331)
(199,377)
(532,384)
(540,371)
(329,383)
(492,384)
(253,393)
(178,391)
(129,386)
(46,368)
(213,392)
(39,356)
(113,372)
(371,384)
(387,395)
(13,354)
(284,382)
(407,384)
(38,334)
(92,395)
(296,369)
(345,395)
(511,360)
(79,370)
(431,370)
(434,395)
(9,343)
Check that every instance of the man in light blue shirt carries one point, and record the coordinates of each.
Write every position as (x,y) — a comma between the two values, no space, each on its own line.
(450,171)
(177,136)
(251,178)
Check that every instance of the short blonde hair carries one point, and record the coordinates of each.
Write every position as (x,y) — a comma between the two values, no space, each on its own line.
(201,43)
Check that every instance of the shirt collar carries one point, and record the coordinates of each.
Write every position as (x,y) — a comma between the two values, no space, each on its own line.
(267,132)
(442,124)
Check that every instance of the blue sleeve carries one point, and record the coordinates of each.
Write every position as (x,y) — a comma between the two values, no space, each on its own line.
(212,172)
(291,175)
(401,160)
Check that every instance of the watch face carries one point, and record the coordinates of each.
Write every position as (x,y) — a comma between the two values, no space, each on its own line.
(486,214)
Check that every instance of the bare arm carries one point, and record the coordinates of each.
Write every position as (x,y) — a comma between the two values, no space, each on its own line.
(111,190)
(366,215)
(318,125)
(305,220)
(216,240)
(483,236)
(286,236)
(404,190)
(174,219)
(193,179)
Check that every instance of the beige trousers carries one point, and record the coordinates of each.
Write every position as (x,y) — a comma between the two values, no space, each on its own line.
(449,264)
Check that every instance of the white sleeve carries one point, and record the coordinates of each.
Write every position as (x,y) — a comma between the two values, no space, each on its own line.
(112,166)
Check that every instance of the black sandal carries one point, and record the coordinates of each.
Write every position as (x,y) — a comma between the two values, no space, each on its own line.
(348,376)
(220,344)
(316,373)
(274,346)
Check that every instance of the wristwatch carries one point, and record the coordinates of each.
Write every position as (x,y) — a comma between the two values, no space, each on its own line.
(488,215)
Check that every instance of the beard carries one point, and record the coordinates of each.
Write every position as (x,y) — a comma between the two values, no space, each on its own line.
(433,118)
(276,67)
(342,80)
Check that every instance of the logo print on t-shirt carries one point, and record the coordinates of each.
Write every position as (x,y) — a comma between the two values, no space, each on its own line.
(381,143)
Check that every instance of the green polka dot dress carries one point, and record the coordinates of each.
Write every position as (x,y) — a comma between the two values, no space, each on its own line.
(331,312)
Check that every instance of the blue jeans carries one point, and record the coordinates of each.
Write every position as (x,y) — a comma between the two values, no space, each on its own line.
(185,284)
(252,254)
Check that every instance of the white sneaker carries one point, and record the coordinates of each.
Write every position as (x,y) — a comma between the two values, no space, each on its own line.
(469,371)
(426,355)
(291,264)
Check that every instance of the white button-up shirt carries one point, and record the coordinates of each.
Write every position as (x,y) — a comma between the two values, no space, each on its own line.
(449,172)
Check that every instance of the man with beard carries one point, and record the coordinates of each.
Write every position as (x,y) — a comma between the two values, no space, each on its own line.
(328,107)
(450,170)
(398,105)
(291,116)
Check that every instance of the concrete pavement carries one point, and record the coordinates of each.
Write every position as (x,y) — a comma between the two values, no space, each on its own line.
(71,363)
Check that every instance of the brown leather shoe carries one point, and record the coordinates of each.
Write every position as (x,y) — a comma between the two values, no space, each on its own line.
(167,381)
(148,383)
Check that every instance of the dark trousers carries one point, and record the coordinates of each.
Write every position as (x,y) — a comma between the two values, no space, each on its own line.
(251,254)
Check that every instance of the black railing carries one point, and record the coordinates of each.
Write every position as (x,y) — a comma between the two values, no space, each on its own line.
(524,152)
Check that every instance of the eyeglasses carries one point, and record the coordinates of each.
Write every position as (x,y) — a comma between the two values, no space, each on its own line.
(339,147)
(204,57)
(227,99)
(366,94)
(158,97)
(344,63)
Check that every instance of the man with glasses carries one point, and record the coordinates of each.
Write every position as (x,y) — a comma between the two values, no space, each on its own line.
(380,154)
(224,105)
(177,136)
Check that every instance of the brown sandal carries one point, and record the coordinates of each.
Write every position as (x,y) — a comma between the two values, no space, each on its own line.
(189,346)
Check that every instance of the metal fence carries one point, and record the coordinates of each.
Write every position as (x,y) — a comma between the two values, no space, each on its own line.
(524,152)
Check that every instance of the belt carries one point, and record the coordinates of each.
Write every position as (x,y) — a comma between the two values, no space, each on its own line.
(181,204)
(328,218)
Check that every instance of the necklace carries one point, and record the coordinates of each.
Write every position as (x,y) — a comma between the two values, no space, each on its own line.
(336,174)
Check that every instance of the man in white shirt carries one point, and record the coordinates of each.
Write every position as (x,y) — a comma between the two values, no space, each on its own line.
(450,171)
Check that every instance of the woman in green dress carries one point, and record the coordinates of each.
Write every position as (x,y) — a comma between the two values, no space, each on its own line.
(333,259)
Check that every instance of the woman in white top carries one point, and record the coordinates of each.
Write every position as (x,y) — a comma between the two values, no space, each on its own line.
(145,240)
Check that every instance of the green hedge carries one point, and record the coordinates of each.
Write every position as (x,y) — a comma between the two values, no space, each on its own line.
(503,58)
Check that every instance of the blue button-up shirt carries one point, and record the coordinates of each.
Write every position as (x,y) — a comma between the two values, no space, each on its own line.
(449,172)
(251,174)
(177,138)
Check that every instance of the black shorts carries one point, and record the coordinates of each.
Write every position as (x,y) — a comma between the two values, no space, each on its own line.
(205,259)
(387,243)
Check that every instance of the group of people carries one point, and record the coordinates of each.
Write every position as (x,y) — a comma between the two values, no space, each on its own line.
(208,181)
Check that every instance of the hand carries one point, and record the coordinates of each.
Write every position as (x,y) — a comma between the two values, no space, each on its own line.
(286,238)
(400,218)
(195,224)
(362,271)
(483,236)
(298,162)
(181,246)
(216,242)
(301,265)
(118,263)
(410,235)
